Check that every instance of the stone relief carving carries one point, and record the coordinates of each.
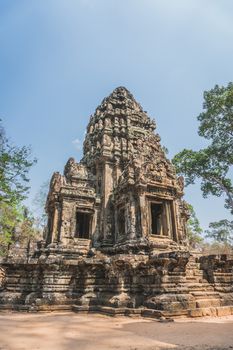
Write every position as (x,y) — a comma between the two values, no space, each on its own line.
(180,181)
(108,123)
(73,169)
(57,182)
(107,141)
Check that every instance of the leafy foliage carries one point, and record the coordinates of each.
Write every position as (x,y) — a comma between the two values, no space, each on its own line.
(216,122)
(39,203)
(15,164)
(209,169)
(212,164)
(216,248)
(193,228)
(17,226)
(27,227)
(9,217)
(221,231)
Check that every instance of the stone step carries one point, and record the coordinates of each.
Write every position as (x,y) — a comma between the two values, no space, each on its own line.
(206,295)
(211,311)
(193,264)
(204,282)
(198,272)
(208,302)
(198,287)
(192,267)
(191,279)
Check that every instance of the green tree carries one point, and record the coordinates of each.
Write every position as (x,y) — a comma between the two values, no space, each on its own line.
(194,229)
(9,218)
(207,167)
(216,121)
(17,226)
(15,163)
(221,231)
(27,225)
(39,203)
(212,164)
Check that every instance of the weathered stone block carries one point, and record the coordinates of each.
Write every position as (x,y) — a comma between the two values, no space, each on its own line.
(223,311)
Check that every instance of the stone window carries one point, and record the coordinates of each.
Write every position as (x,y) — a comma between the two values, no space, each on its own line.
(99,186)
(121,222)
(157,212)
(83,221)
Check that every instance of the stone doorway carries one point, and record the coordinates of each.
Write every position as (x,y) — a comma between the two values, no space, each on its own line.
(157,218)
(83,225)
(121,223)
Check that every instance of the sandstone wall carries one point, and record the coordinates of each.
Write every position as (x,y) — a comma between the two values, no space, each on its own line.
(167,284)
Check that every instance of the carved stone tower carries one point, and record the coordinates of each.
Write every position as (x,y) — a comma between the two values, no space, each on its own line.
(124,193)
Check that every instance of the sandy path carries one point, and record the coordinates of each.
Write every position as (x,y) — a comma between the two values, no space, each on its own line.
(63,331)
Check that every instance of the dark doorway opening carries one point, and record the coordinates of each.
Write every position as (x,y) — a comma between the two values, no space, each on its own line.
(83,225)
(156,218)
(121,222)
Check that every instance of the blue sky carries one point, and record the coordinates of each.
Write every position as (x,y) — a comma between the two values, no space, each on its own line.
(60,58)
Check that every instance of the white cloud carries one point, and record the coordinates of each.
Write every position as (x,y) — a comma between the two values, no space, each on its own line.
(77,144)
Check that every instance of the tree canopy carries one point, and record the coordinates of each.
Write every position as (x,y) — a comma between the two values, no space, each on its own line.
(15,163)
(39,203)
(221,231)
(216,121)
(194,229)
(212,164)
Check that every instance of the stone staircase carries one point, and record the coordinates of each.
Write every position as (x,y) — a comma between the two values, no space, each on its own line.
(208,300)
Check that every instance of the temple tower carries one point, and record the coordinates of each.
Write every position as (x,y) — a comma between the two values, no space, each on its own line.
(124,192)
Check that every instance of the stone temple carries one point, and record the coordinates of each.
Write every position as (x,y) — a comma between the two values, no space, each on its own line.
(124,194)
(116,239)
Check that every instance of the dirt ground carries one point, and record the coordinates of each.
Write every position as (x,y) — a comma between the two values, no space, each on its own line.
(61,331)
